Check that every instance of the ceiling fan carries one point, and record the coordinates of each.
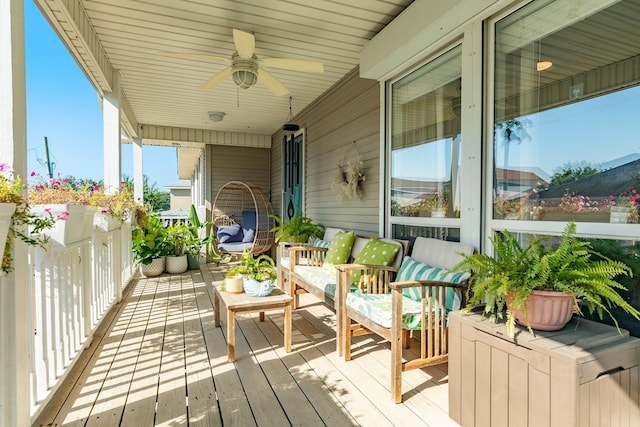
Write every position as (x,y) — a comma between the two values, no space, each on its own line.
(246,68)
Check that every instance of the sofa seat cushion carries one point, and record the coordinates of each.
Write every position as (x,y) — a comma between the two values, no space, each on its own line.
(235,246)
(284,261)
(414,270)
(318,277)
(377,307)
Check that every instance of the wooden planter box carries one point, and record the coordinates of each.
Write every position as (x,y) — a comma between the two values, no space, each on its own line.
(588,216)
(585,374)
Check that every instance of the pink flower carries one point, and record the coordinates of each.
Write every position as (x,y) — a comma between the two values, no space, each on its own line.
(33,173)
(6,168)
(62,216)
(51,181)
(47,210)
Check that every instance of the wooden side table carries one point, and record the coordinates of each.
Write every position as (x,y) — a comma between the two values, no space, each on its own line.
(243,303)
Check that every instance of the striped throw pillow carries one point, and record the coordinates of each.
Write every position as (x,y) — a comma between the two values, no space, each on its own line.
(414,270)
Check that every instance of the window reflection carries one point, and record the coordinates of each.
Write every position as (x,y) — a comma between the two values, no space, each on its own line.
(566,98)
(426,138)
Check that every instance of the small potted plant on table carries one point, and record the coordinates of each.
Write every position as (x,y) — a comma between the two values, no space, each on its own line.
(254,275)
(519,278)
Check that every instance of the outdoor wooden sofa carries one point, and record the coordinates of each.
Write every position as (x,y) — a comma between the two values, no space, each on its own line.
(283,256)
(308,272)
(418,301)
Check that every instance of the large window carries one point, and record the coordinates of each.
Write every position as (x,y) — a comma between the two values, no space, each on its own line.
(425,143)
(566,143)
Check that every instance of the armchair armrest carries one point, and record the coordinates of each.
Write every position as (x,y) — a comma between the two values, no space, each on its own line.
(372,279)
(314,256)
(424,283)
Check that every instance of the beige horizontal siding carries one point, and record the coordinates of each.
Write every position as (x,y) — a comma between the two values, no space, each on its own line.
(228,163)
(349,111)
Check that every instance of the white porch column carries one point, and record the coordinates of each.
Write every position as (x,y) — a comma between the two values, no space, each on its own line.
(138,177)
(15,309)
(112,147)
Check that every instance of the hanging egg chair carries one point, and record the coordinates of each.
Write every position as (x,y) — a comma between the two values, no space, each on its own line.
(242,216)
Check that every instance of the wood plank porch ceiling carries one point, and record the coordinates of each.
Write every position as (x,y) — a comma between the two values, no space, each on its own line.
(159,360)
(126,35)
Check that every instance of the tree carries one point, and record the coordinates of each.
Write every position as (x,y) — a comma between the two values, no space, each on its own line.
(512,131)
(159,200)
(571,173)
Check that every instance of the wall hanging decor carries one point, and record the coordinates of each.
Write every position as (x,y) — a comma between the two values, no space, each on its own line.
(350,176)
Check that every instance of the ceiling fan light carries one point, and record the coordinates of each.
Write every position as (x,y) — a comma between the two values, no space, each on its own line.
(245,71)
(245,78)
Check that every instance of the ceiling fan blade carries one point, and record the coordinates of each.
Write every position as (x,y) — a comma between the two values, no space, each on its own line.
(245,43)
(198,56)
(272,83)
(216,79)
(293,64)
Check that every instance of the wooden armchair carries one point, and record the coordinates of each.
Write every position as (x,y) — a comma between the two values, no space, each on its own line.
(395,310)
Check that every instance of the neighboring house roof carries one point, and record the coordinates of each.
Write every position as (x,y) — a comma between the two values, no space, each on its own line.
(521,176)
(183,184)
(611,182)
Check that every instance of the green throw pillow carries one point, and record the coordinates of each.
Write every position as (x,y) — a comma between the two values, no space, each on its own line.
(375,252)
(339,250)
(414,270)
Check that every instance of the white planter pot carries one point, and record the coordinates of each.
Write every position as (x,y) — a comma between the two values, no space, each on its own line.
(77,227)
(154,269)
(234,284)
(619,214)
(105,222)
(176,264)
(6,211)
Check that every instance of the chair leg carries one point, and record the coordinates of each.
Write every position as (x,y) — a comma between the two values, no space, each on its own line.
(396,368)
(292,292)
(348,335)
(406,338)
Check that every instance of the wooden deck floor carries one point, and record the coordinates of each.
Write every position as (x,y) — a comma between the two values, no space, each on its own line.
(159,360)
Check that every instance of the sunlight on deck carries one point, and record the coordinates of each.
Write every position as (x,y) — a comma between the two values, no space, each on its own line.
(161,361)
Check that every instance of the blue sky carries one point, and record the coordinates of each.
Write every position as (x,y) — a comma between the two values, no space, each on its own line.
(63,106)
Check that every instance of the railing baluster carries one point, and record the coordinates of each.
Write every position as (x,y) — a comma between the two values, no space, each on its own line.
(72,289)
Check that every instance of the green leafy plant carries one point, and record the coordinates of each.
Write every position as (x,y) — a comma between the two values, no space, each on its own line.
(298,229)
(149,239)
(119,205)
(24,224)
(179,239)
(572,266)
(260,268)
(194,240)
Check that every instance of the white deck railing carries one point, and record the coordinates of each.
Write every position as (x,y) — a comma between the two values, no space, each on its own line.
(71,288)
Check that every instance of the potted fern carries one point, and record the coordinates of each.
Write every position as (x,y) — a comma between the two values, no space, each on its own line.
(541,286)
(297,230)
